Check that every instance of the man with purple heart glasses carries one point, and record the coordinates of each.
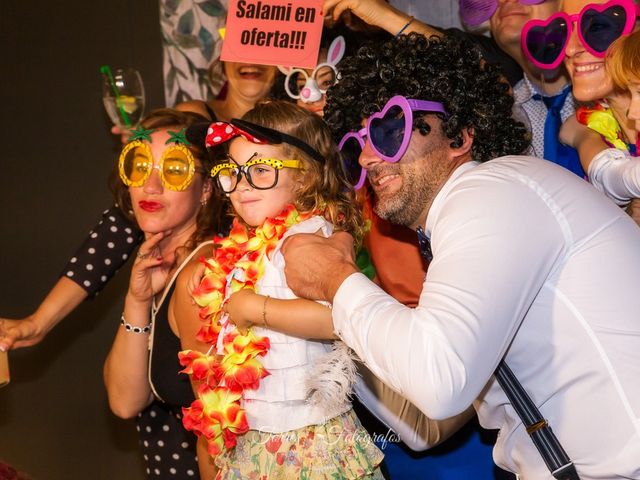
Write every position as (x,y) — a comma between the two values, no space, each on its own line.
(388,131)
(530,264)
(543,97)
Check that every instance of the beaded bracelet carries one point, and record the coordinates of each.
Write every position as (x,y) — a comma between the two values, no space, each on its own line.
(264,311)
(411,19)
(132,328)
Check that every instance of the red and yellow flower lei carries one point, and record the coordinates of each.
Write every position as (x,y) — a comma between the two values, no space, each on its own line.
(217,413)
(600,119)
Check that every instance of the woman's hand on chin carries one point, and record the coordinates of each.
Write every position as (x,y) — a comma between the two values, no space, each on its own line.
(149,272)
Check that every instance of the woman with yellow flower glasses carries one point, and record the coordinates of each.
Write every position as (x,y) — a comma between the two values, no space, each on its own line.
(113,239)
(163,181)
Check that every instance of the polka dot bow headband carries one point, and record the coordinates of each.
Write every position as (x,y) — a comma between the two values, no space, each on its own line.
(218,133)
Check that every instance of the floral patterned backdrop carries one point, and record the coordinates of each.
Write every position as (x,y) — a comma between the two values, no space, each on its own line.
(190,44)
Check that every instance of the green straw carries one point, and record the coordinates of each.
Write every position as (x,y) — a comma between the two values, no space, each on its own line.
(107,71)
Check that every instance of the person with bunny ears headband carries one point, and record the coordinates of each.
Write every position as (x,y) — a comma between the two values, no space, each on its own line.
(309,86)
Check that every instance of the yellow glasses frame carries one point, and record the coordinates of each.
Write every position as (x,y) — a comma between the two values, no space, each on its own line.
(139,144)
(243,169)
(272,162)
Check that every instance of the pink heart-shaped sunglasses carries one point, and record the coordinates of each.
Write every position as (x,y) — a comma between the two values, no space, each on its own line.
(544,42)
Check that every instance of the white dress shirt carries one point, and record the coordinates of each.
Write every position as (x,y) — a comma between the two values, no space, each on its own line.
(533,263)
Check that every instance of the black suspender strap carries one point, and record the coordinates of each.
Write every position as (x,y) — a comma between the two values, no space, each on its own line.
(557,460)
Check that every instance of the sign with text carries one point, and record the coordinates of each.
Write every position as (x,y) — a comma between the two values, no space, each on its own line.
(273,32)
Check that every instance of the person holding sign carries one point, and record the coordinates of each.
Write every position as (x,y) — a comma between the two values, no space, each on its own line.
(309,87)
(273,33)
(247,84)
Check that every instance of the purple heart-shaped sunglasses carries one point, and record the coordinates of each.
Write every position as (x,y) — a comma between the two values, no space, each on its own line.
(389,133)
(475,12)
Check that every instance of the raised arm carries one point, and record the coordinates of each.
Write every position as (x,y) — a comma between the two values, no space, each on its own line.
(63,298)
(380,14)
(127,364)
(587,142)
(610,170)
(102,253)
(616,174)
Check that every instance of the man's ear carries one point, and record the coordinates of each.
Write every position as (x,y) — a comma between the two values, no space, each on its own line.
(461,145)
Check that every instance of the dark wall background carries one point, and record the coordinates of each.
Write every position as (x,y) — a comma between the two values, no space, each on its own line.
(56,155)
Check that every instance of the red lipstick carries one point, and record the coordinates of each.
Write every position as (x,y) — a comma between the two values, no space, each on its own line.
(150,206)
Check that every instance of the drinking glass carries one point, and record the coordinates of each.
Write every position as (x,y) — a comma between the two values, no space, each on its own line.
(123,96)
(4,369)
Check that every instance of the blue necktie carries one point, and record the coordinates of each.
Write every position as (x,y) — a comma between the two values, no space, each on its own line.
(425,244)
(554,151)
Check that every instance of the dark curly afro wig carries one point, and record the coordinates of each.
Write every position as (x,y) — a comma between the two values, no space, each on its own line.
(449,70)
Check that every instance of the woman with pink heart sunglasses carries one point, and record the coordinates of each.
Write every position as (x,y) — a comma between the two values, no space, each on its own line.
(614,123)
(598,25)
(580,36)
(594,24)
(610,132)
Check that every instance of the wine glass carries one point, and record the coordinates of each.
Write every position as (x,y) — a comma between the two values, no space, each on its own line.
(123,96)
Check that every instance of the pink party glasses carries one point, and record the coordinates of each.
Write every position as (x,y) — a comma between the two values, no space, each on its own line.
(475,12)
(389,133)
(544,42)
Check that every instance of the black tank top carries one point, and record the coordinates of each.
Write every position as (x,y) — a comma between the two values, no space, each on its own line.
(168,384)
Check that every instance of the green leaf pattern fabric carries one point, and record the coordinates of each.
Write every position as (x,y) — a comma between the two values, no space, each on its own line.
(190,44)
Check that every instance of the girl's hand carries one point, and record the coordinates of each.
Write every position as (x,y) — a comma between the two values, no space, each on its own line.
(195,279)
(244,308)
(149,273)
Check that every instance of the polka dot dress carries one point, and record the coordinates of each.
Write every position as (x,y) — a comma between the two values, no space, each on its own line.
(169,450)
(103,252)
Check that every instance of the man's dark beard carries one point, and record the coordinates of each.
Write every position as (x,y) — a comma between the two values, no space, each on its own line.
(405,206)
